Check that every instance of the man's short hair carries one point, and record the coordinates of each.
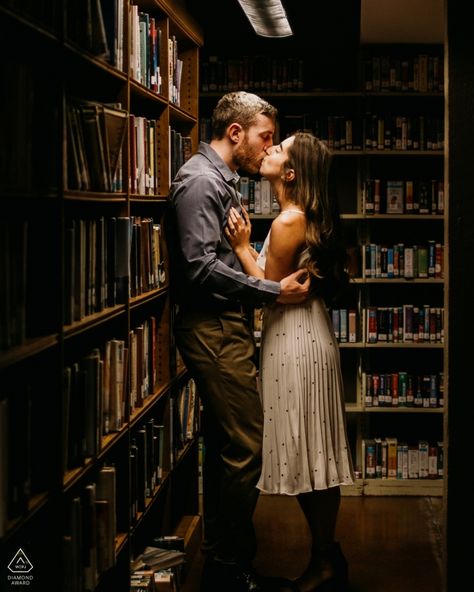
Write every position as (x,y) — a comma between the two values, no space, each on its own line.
(239,107)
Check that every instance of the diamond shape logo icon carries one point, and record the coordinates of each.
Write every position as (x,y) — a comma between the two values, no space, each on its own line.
(20,563)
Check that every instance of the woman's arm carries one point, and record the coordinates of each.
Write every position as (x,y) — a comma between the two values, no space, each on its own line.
(238,231)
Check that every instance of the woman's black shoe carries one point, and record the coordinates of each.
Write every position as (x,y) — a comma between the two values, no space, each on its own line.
(330,560)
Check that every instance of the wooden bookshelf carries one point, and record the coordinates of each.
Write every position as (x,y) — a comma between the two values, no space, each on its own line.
(89,388)
(375,112)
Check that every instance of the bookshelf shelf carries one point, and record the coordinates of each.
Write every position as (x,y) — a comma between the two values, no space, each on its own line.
(116,198)
(384,409)
(402,281)
(137,415)
(136,301)
(26,350)
(93,320)
(355,345)
(353,490)
(71,477)
(77,106)
(181,115)
(148,199)
(35,505)
(75,52)
(109,441)
(379,217)
(145,93)
(388,153)
(422,345)
(425,487)
(389,345)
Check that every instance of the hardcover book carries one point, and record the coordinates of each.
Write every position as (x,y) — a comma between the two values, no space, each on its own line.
(395,197)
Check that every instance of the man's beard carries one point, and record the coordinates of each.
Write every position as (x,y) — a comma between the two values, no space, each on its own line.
(246,158)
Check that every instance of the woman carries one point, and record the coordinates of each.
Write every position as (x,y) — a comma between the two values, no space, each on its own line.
(305,449)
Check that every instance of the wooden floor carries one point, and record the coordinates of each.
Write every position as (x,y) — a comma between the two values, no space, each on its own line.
(392,544)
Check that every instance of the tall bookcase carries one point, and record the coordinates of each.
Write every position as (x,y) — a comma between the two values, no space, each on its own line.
(100,103)
(385,128)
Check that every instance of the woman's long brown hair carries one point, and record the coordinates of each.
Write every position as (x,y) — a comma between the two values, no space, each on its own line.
(324,256)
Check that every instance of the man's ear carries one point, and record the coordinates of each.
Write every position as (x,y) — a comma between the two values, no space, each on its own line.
(234,132)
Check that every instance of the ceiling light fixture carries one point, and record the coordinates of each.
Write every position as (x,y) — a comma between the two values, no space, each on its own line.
(267,17)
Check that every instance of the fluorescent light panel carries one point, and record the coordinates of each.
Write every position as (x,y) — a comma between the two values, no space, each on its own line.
(267,17)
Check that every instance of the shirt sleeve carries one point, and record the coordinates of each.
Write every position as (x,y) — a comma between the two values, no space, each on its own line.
(201,208)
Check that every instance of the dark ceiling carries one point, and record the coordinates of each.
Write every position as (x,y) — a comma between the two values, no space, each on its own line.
(326,23)
(325,33)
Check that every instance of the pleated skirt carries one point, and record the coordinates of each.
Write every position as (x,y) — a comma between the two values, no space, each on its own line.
(305,444)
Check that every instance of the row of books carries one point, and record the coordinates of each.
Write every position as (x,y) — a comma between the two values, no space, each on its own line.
(181,149)
(153,580)
(408,323)
(259,73)
(344,323)
(94,395)
(95,136)
(32,123)
(402,132)
(17,483)
(391,458)
(257,196)
(187,414)
(403,196)
(370,132)
(146,372)
(14,270)
(159,569)
(147,266)
(403,261)
(96,133)
(156,445)
(144,156)
(403,389)
(175,71)
(405,324)
(97,264)
(89,541)
(109,260)
(418,73)
(145,165)
(97,395)
(98,27)
(148,463)
(145,45)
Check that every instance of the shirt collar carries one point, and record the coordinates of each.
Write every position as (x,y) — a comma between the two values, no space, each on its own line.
(228,175)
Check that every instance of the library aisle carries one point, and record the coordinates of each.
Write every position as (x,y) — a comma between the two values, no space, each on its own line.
(389,546)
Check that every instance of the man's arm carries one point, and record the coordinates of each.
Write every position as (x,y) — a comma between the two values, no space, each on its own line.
(200,217)
(294,287)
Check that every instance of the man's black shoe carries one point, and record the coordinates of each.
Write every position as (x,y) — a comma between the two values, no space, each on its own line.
(224,577)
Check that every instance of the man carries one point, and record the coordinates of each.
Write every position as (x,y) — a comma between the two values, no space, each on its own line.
(212,331)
